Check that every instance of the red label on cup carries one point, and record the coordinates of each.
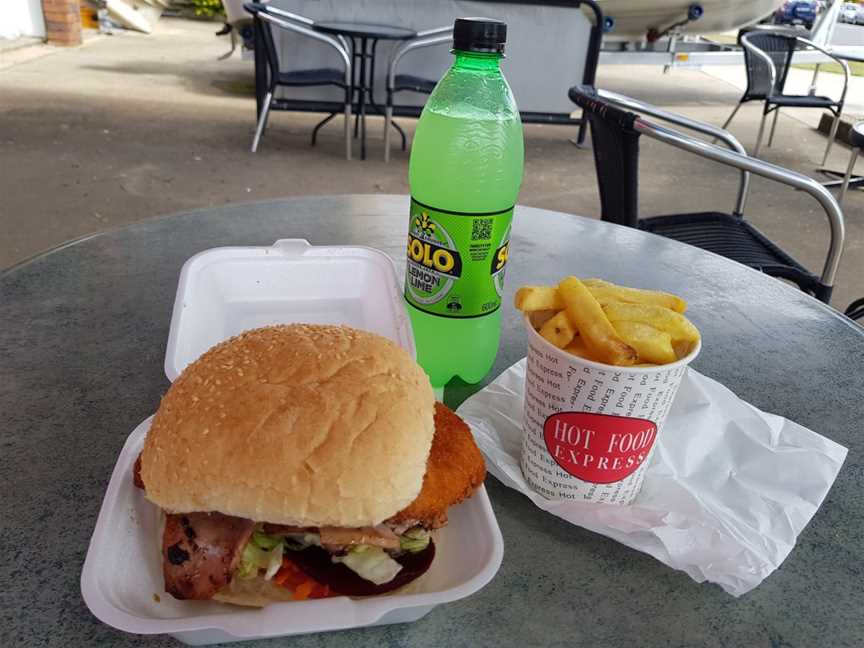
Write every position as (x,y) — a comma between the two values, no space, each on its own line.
(598,448)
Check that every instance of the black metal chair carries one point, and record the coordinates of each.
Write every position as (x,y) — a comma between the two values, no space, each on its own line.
(408,82)
(265,16)
(855,310)
(856,141)
(768,57)
(615,135)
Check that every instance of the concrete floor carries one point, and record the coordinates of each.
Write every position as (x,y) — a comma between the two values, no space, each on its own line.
(130,127)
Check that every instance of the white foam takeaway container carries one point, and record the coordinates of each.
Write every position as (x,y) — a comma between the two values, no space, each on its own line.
(225,291)
(221,293)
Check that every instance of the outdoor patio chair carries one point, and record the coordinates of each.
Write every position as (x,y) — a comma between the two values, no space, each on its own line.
(856,141)
(266,16)
(768,57)
(855,310)
(615,135)
(402,82)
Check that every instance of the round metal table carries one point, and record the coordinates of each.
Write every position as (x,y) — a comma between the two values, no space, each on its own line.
(83,330)
(364,41)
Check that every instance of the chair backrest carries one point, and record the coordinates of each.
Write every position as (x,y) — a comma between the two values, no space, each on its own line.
(779,48)
(616,156)
(264,36)
(616,153)
(855,310)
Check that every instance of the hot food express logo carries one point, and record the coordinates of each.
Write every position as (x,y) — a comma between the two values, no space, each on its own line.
(598,448)
(434,264)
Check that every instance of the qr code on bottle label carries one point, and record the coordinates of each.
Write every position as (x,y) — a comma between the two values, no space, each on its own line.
(482,229)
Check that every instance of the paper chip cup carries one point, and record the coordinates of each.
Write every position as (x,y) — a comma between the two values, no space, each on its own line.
(590,428)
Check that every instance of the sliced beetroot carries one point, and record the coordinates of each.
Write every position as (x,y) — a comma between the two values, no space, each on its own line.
(316,563)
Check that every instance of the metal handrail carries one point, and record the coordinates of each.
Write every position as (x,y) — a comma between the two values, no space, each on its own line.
(766,170)
(304,20)
(289,15)
(448,29)
(311,33)
(834,57)
(691,124)
(416,43)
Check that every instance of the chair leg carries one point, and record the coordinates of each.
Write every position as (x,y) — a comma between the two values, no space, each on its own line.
(729,121)
(348,130)
(320,124)
(834,126)
(773,127)
(262,120)
(759,136)
(226,55)
(388,117)
(846,178)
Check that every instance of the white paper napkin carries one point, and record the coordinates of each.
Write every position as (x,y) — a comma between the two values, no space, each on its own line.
(726,494)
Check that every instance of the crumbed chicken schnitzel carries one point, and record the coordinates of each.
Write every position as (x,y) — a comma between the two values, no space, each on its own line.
(454,470)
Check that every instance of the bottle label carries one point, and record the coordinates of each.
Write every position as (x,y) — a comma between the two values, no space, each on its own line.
(456,261)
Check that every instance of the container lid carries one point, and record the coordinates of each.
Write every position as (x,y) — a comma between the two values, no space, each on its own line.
(225,291)
(484,35)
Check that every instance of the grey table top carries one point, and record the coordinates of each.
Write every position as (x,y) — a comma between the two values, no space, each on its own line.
(82,339)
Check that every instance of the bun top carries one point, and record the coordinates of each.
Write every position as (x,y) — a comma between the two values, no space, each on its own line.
(300,424)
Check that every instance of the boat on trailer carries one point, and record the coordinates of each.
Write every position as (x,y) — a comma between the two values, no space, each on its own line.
(652,19)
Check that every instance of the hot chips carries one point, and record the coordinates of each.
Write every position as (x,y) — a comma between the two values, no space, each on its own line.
(675,324)
(535,298)
(608,292)
(600,321)
(577,347)
(558,331)
(595,329)
(651,345)
(540,317)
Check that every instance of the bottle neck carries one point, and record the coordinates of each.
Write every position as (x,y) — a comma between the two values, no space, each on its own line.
(477,61)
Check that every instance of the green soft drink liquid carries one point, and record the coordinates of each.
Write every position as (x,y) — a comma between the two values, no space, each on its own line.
(465,172)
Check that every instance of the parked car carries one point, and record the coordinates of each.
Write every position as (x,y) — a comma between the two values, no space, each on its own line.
(797,12)
(859,16)
(849,13)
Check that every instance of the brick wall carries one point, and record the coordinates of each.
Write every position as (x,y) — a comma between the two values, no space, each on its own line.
(62,21)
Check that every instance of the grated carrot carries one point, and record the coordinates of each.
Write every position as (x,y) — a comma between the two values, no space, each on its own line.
(302,591)
(292,577)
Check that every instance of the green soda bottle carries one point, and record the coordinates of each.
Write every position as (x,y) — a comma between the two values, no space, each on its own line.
(465,172)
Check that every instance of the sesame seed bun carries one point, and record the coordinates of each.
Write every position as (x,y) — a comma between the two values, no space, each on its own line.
(301,424)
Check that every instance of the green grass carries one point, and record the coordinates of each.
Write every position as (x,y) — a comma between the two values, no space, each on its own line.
(855,68)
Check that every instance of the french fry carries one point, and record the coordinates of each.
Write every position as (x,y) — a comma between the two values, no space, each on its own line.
(605,291)
(577,347)
(675,324)
(535,298)
(594,327)
(540,317)
(558,330)
(652,345)
(682,348)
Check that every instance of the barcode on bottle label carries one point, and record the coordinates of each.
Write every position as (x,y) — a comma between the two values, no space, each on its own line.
(482,229)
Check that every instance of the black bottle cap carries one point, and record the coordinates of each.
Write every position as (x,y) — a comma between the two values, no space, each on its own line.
(485,35)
